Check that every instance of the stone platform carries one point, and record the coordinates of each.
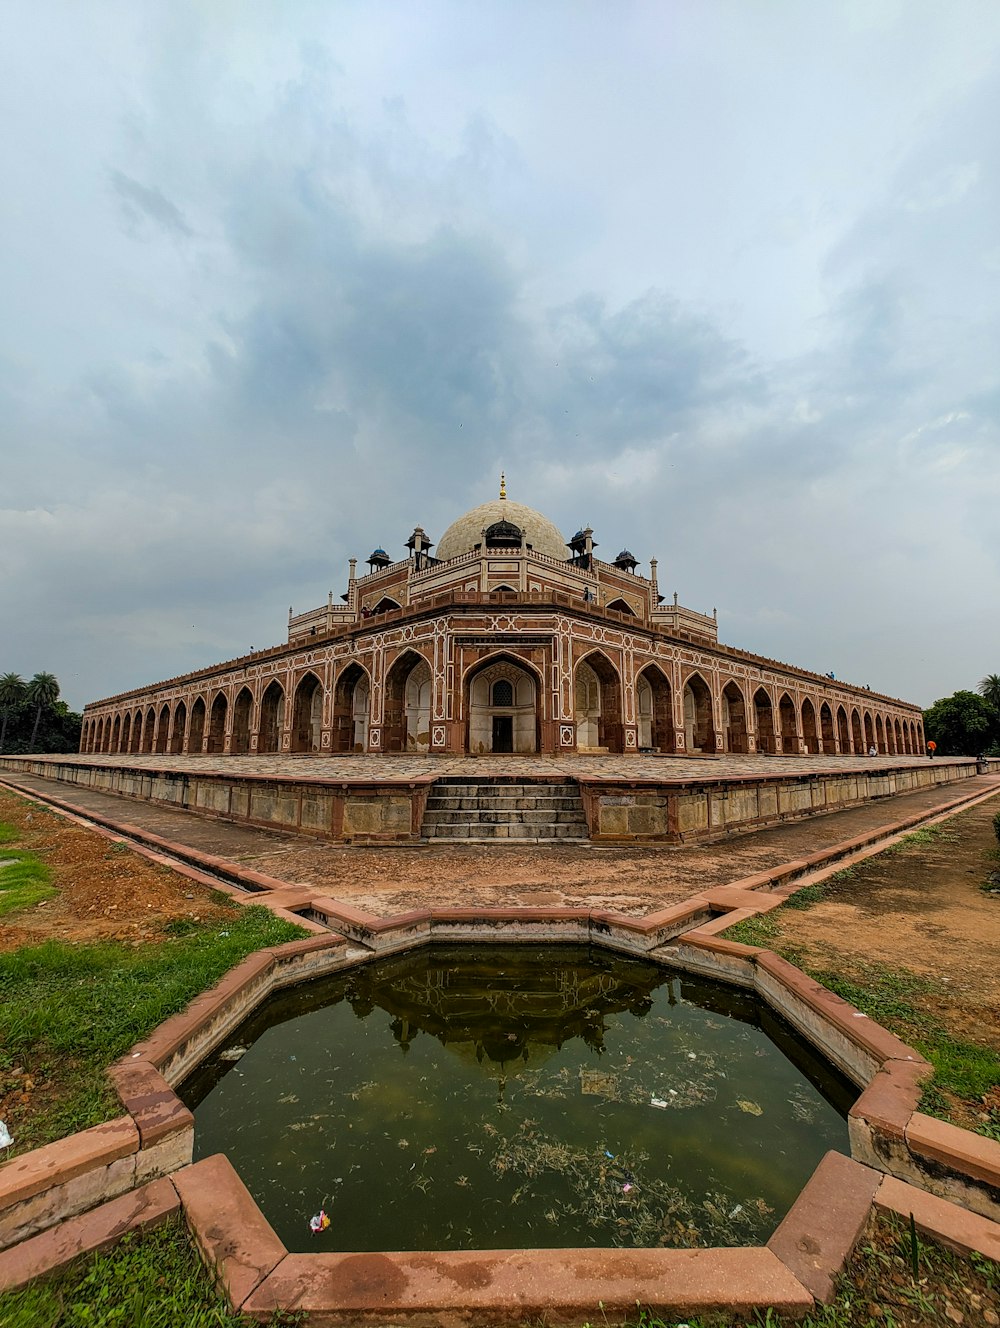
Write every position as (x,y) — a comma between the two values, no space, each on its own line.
(384,800)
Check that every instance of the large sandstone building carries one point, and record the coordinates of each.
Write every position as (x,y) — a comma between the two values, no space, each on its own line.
(504,638)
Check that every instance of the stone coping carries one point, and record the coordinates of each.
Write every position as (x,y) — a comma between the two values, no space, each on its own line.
(890,1140)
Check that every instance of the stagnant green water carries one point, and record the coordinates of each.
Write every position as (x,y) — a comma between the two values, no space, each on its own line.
(467,1098)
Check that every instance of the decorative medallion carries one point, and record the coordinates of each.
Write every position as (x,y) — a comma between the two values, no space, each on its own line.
(567,735)
(437,735)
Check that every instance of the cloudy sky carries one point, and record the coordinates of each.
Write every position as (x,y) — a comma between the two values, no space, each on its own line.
(280,280)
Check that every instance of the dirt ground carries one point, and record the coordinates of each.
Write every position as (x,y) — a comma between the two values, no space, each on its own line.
(920,907)
(105,892)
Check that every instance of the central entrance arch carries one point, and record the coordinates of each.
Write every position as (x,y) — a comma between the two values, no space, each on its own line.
(502,703)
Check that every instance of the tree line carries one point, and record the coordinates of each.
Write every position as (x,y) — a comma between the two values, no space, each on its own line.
(33,719)
(967,723)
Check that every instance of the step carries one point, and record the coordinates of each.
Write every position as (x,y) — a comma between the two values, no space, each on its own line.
(476,830)
(494,816)
(502,804)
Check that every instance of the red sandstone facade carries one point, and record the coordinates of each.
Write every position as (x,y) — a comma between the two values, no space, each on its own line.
(510,641)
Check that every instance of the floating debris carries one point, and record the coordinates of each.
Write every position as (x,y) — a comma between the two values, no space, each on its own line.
(751,1108)
(6,1138)
(233,1053)
(319,1223)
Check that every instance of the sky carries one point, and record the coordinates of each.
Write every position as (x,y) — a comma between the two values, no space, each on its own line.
(280,281)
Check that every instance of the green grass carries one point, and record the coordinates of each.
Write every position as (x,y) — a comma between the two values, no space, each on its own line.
(68,1011)
(24,881)
(920,838)
(149,1280)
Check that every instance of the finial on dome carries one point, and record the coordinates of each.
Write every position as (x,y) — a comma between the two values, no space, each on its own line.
(503,485)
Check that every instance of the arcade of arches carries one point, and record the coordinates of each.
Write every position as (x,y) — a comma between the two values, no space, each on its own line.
(502,710)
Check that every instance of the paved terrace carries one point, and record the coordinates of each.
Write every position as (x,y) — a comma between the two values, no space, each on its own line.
(405,767)
(389,880)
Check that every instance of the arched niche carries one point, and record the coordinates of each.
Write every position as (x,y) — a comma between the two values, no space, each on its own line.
(502,706)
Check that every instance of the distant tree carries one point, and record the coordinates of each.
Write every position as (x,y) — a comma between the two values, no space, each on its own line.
(42,692)
(962,725)
(989,690)
(12,697)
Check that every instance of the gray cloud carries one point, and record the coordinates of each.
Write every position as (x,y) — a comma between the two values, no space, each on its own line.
(357,278)
(141,203)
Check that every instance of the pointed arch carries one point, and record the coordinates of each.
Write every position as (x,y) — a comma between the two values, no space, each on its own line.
(386,605)
(272,717)
(879,734)
(826,729)
(699,722)
(600,695)
(763,711)
(810,733)
(735,737)
(621,606)
(307,714)
(789,722)
(843,731)
(126,743)
(857,737)
(177,727)
(351,701)
(149,731)
(408,687)
(116,733)
(655,703)
(196,737)
(162,728)
(242,711)
(495,727)
(217,724)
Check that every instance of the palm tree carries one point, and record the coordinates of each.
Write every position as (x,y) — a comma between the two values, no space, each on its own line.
(41,692)
(989,690)
(12,695)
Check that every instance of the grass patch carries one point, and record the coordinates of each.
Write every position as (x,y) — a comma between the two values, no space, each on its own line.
(24,881)
(808,896)
(68,1011)
(761,930)
(154,1279)
(926,834)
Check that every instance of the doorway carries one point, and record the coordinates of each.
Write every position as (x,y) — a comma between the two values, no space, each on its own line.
(503,733)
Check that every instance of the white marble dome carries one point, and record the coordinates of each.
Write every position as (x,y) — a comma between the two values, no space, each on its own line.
(463,535)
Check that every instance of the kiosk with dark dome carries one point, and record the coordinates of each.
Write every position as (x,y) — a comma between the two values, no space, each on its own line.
(504,638)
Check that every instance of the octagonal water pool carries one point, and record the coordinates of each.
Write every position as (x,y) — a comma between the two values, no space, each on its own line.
(472,1097)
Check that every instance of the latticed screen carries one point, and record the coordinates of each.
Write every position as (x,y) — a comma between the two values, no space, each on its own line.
(503,693)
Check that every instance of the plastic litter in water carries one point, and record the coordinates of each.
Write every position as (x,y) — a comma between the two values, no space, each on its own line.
(319,1223)
(5,1136)
(658,1102)
(233,1053)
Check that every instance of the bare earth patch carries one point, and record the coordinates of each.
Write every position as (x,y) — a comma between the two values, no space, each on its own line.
(105,891)
(919,907)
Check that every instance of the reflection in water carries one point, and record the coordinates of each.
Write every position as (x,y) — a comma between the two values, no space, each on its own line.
(469,1097)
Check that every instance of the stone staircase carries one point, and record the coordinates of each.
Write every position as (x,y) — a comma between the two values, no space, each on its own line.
(488,810)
